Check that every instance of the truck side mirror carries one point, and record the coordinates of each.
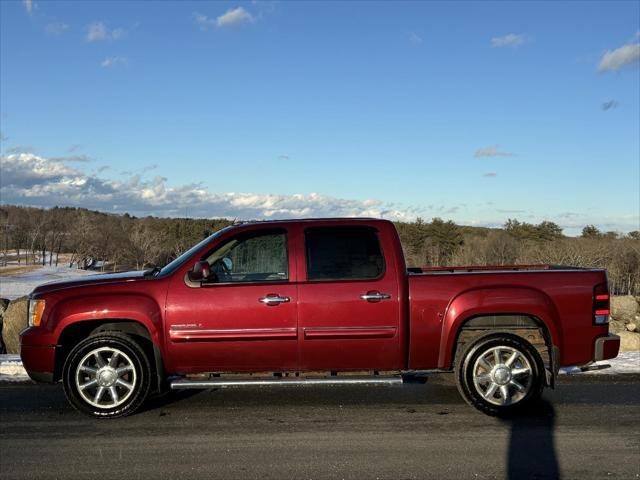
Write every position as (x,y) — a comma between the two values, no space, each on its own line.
(200,272)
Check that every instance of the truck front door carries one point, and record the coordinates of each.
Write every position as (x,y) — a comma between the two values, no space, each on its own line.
(244,318)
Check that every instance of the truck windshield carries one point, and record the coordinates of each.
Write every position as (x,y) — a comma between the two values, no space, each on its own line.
(179,261)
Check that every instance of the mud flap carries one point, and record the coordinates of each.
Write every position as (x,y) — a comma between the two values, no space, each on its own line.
(161,382)
(551,372)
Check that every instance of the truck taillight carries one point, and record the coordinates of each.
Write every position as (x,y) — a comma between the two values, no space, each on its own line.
(601,304)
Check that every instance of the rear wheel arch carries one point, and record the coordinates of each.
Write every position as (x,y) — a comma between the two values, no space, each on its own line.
(76,332)
(507,302)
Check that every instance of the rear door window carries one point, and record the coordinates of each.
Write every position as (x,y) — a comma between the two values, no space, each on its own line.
(343,253)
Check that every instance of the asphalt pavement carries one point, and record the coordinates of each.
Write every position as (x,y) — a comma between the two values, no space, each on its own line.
(589,427)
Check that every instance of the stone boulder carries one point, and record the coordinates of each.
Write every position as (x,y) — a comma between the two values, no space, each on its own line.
(616,327)
(629,341)
(4,303)
(14,321)
(624,308)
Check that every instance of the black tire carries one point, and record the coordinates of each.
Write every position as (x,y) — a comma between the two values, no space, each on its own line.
(468,367)
(136,375)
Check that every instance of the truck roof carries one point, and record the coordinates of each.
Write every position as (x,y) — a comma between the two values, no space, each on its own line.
(316,220)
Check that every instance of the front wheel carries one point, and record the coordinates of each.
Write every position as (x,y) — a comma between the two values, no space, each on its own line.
(107,375)
(500,374)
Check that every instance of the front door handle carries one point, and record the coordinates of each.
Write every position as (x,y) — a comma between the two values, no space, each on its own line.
(274,299)
(375,296)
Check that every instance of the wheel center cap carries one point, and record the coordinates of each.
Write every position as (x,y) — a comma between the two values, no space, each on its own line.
(502,375)
(107,376)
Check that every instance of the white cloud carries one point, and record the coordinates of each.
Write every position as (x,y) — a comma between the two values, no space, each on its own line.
(490,174)
(233,17)
(414,38)
(28,169)
(203,21)
(33,180)
(113,61)
(117,33)
(29,179)
(98,31)
(510,40)
(614,60)
(56,28)
(492,151)
(28,6)
(236,16)
(72,158)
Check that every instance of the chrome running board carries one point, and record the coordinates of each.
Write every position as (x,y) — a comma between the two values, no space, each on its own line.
(185,383)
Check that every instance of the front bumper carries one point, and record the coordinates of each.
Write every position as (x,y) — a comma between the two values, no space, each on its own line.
(606,348)
(38,361)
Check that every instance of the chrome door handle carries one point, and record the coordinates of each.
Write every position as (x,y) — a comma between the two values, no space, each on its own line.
(372,297)
(274,300)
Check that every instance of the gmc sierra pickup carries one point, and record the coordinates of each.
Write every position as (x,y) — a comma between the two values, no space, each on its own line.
(310,302)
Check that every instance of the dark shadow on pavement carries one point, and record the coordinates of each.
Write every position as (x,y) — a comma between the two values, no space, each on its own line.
(167,398)
(531,452)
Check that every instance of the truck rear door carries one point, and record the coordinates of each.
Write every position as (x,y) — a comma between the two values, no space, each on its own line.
(348,300)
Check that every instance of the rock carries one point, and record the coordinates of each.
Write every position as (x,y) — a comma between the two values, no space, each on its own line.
(624,308)
(629,341)
(632,327)
(14,321)
(616,327)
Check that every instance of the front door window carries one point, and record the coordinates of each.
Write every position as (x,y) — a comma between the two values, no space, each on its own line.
(256,257)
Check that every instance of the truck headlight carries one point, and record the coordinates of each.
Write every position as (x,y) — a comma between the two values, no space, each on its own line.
(36,308)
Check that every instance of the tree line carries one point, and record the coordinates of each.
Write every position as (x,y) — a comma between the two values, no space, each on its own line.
(90,239)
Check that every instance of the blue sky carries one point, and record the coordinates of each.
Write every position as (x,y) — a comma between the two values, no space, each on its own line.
(470,111)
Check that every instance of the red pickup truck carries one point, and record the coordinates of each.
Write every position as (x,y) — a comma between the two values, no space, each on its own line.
(310,302)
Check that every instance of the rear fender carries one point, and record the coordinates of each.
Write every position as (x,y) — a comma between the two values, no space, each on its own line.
(495,301)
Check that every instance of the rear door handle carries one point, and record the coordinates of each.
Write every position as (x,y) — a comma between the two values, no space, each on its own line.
(274,299)
(375,296)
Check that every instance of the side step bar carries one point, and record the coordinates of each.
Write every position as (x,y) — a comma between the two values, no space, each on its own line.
(184,383)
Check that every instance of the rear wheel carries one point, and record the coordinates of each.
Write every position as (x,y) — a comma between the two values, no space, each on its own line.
(499,374)
(107,375)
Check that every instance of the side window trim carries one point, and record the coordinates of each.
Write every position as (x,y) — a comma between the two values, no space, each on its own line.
(305,252)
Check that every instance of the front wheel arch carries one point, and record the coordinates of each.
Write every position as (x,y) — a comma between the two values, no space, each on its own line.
(78,331)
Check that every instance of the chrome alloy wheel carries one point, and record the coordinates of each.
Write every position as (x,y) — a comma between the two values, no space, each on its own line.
(105,377)
(502,375)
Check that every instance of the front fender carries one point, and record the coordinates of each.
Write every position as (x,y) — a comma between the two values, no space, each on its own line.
(495,301)
(136,307)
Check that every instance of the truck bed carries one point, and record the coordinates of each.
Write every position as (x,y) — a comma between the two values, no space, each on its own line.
(559,297)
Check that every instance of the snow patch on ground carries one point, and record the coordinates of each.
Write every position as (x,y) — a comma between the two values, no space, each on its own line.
(14,286)
(625,362)
(11,369)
